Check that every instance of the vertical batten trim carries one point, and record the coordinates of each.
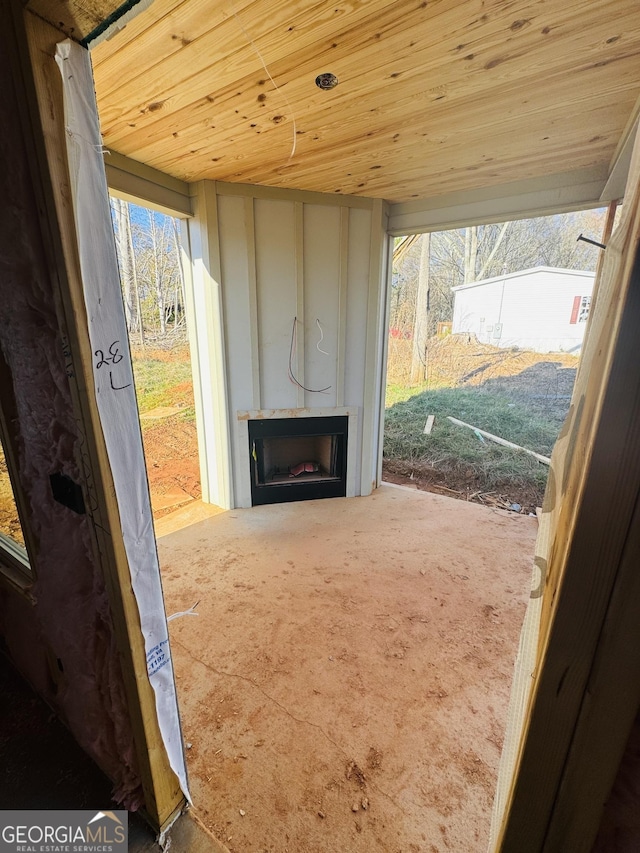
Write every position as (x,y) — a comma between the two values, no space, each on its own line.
(373,378)
(385,297)
(254,329)
(186,227)
(208,293)
(217,350)
(342,305)
(299,260)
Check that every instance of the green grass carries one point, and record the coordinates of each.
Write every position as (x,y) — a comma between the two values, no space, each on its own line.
(457,451)
(163,383)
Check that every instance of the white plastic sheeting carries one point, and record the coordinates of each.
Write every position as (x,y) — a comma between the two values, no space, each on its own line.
(114,382)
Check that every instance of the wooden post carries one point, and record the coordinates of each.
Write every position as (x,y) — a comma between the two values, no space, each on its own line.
(42,123)
(586,678)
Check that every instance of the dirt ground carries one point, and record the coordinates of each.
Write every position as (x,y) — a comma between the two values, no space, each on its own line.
(9,521)
(544,381)
(463,360)
(345,684)
(171,453)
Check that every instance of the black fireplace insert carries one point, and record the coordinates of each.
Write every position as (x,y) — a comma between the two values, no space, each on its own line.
(298,459)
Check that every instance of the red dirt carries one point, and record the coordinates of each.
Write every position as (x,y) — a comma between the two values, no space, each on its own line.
(425,478)
(171,452)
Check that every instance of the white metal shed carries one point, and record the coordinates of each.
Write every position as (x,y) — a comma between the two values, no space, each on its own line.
(542,309)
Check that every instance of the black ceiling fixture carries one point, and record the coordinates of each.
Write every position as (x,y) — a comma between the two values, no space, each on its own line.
(326,81)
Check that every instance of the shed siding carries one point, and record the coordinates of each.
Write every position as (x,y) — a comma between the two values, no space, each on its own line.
(531,310)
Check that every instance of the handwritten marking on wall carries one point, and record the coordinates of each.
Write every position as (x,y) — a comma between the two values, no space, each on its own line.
(112,358)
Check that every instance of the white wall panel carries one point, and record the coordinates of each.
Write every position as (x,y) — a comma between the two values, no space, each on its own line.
(304,257)
(321,301)
(275,253)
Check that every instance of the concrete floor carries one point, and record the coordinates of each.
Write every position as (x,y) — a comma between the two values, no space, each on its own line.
(345,684)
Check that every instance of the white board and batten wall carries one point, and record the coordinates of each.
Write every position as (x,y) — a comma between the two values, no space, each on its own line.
(542,309)
(263,261)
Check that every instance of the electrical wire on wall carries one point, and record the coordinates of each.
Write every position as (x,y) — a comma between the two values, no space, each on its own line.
(292,349)
(318,347)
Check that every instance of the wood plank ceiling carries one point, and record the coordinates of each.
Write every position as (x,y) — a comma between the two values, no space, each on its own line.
(435,96)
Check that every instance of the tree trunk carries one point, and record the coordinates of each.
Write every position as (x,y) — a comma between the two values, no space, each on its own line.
(125,256)
(470,253)
(158,282)
(420,334)
(496,246)
(180,294)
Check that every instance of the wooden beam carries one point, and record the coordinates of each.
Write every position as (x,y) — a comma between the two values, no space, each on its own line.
(43,95)
(619,170)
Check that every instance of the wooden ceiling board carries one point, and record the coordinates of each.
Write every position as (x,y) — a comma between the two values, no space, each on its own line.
(432,141)
(534,109)
(223,119)
(433,97)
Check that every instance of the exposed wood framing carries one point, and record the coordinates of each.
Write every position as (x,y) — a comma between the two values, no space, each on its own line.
(586,679)
(46,127)
(75,20)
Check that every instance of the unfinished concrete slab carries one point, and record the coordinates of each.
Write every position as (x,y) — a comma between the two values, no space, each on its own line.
(345,684)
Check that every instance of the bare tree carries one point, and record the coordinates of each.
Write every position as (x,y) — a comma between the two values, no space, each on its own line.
(420,324)
(421,296)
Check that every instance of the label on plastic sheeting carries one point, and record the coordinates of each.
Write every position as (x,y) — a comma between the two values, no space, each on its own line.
(157,657)
(113,379)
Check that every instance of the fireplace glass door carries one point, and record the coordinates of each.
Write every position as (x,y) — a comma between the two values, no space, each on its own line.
(295,459)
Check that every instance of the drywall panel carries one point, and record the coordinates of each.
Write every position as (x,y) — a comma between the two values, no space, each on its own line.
(322,250)
(237,267)
(234,267)
(275,254)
